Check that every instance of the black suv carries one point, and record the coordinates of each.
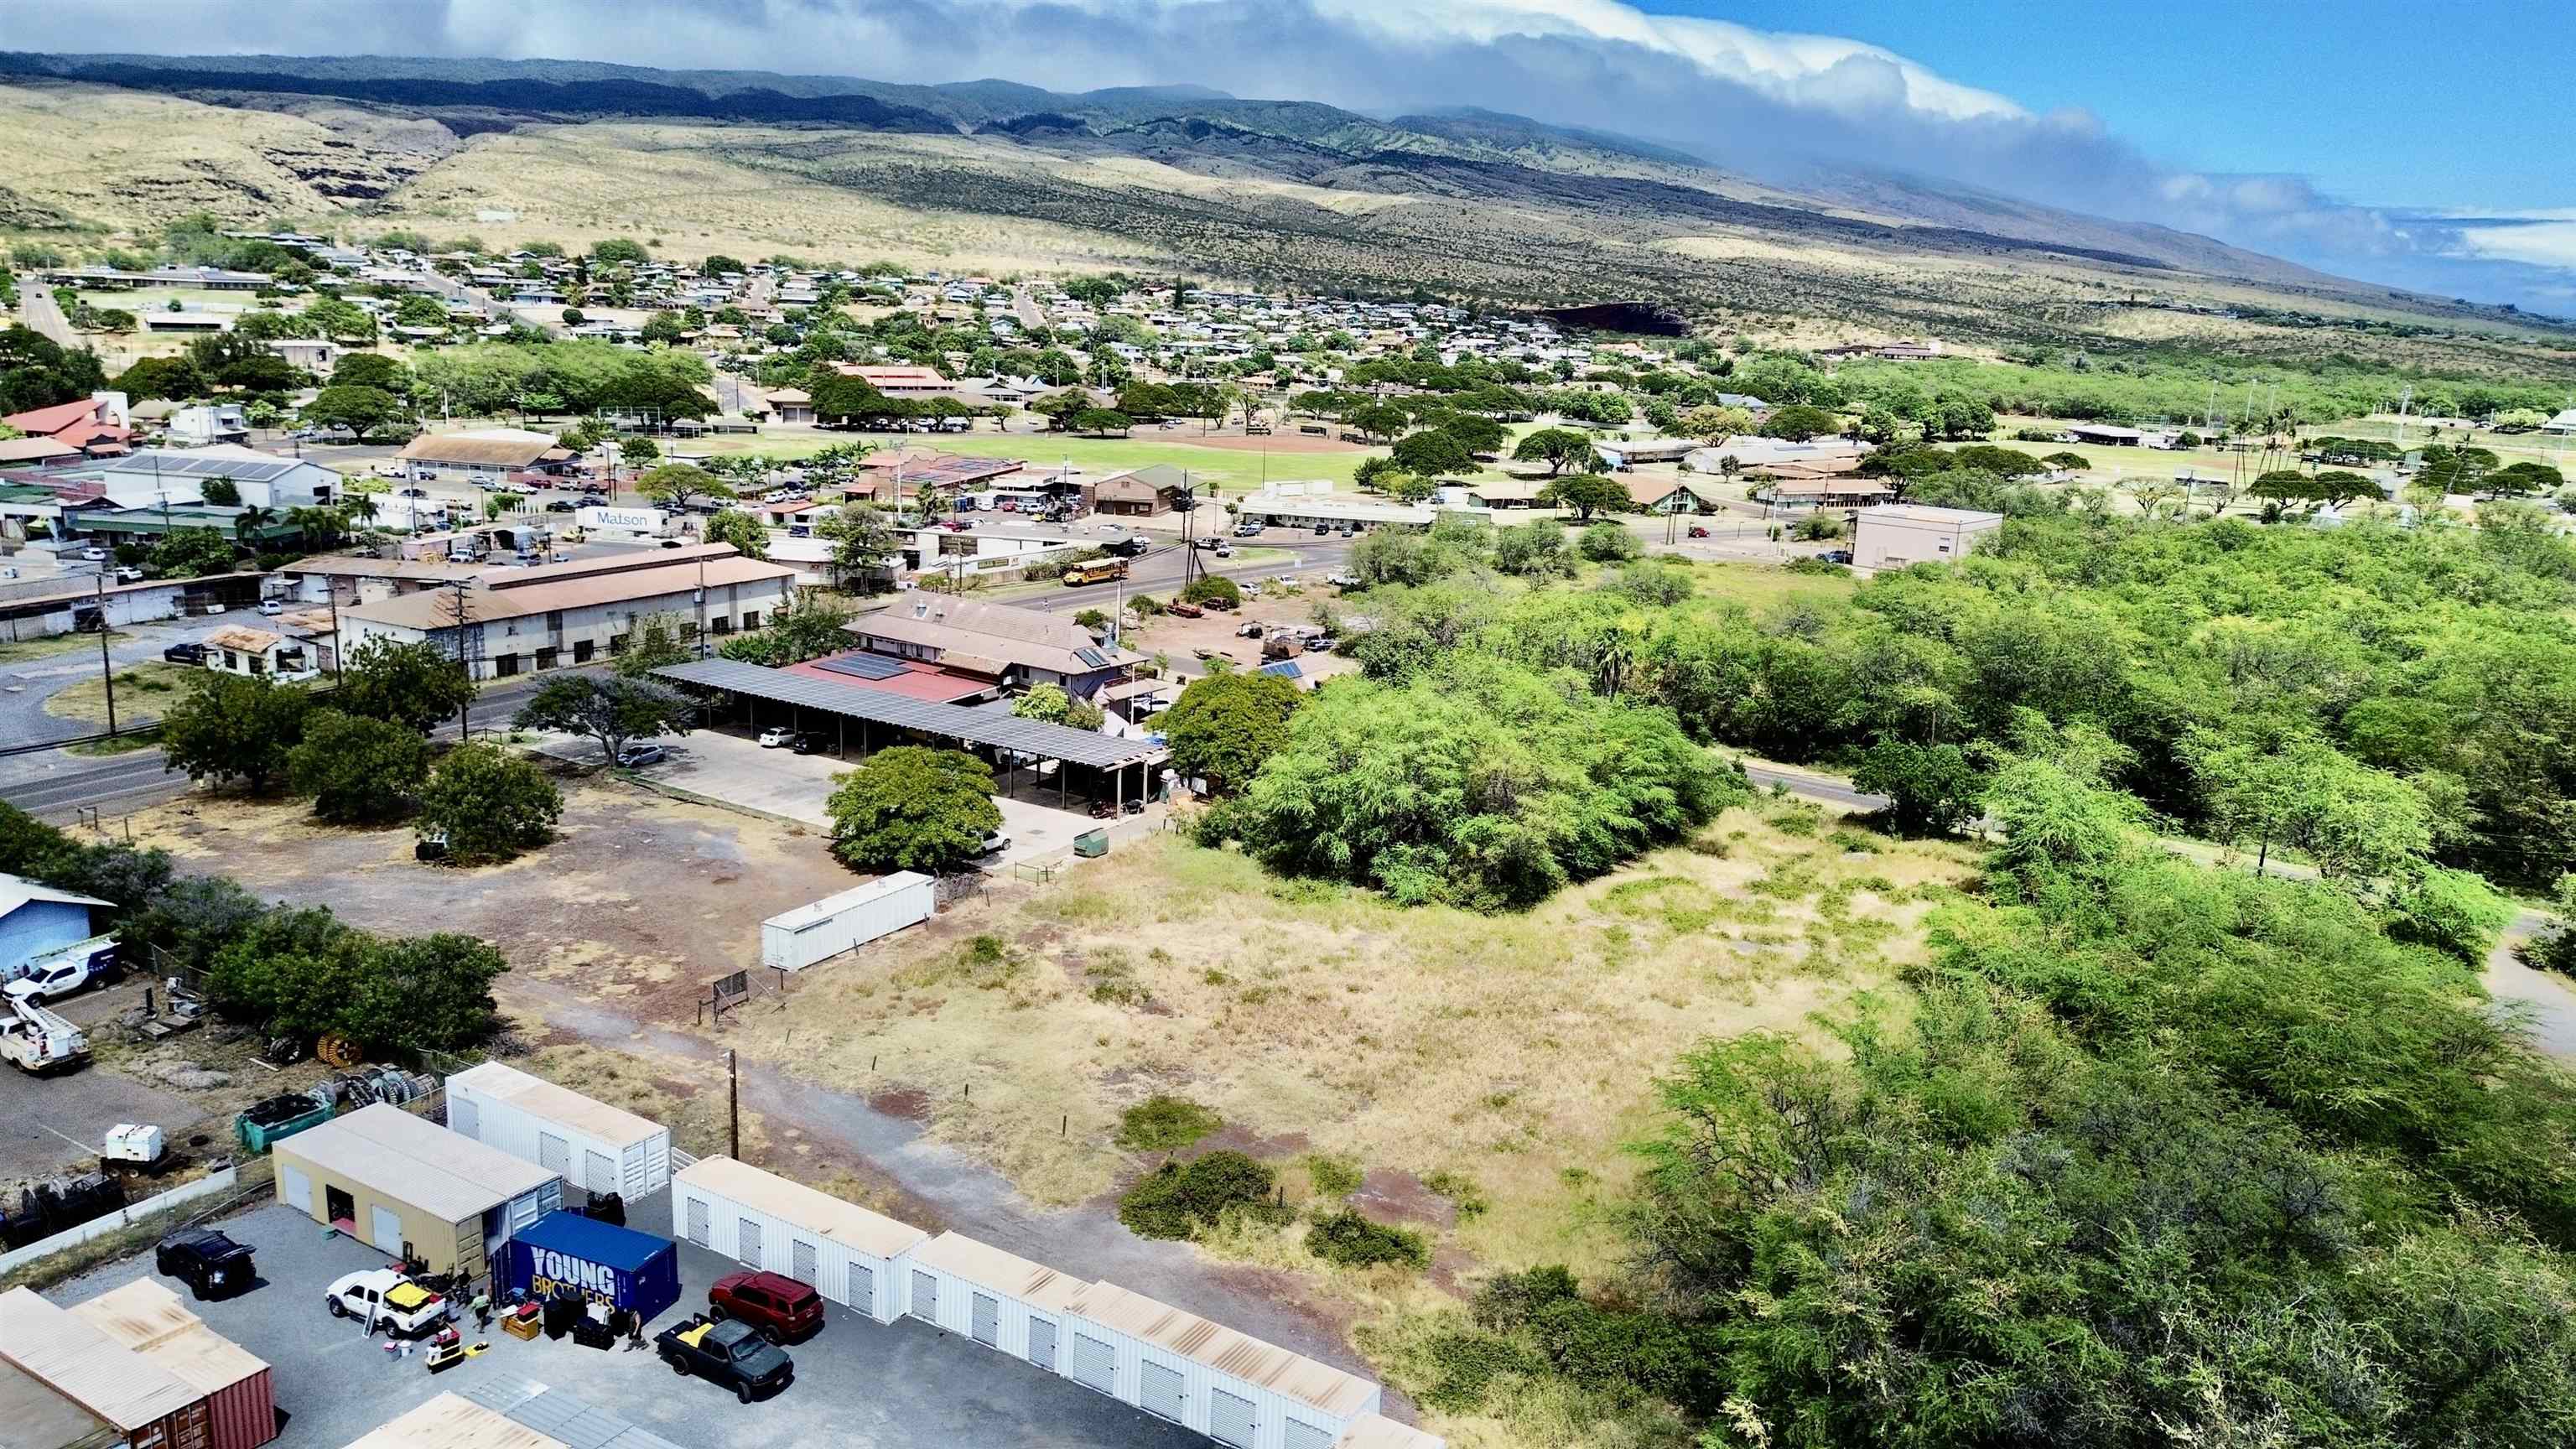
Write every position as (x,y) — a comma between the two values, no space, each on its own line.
(212,1265)
(185,653)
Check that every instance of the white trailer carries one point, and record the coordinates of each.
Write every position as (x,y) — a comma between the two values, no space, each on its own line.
(999,1300)
(850,1255)
(651,522)
(587,1143)
(794,940)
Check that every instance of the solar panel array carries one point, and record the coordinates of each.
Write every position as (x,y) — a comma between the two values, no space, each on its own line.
(863,666)
(946,721)
(168,466)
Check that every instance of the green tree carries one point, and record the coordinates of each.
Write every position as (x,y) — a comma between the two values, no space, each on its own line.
(616,711)
(1533,550)
(655,641)
(1379,421)
(2350,821)
(371,369)
(618,251)
(222,492)
(365,411)
(1714,425)
(1608,542)
(191,553)
(1432,454)
(1558,448)
(357,769)
(1798,423)
(1049,703)
(431,991)
(682,485)
(1215,591)
(1101,422)
(415,685)
(863,542)
(233,728)
(913,808)
(491,804)
(1587,494)
(1931,789)
(748,535)
(1224,726)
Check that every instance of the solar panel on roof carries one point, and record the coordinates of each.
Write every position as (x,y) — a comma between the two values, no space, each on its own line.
(862,666)
(1285,669)
(1092,657)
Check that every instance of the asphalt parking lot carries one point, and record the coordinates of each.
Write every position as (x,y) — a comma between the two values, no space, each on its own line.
(79,1105)
(903,1386)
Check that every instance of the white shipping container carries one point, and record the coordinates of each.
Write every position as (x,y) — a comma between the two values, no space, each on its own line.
(650,521)
(794,940)
(1235,1389)
(593,1146)
(996,1299)
(856,1258)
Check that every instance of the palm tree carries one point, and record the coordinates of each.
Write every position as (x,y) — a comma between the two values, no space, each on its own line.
(258,516)
(362,507)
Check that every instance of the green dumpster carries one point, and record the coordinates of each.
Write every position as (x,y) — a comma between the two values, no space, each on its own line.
(1091,844)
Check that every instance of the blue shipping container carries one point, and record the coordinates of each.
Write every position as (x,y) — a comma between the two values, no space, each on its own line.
(617,1266)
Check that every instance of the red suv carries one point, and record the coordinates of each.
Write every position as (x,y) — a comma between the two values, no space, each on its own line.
(782,1309)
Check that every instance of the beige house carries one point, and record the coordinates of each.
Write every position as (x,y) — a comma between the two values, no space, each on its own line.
(412,1188)
(253,653)
(518,621)
(1898,534)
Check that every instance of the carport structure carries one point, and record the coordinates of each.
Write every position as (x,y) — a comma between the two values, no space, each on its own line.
(884,718)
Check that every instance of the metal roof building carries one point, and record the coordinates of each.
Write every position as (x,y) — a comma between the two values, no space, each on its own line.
(145,1316)
(153,1406)
(990,729)
(412,1187)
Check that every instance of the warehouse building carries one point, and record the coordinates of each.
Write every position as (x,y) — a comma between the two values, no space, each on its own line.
(412,1188)
(850,1255)
(1898,534)
(596,1147)
(148,1406)
(147,1318)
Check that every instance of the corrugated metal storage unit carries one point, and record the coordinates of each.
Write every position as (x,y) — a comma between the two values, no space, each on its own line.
(595,1147)
(850,1255)
(241,1396)
(1375,1431)
(994,1298)
(152,1407)
(794,940)
(1233,1388)
(402,1185)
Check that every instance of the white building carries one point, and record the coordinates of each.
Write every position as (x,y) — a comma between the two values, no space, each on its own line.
(1895,535)
(256,653)
(206,424)
(545,618)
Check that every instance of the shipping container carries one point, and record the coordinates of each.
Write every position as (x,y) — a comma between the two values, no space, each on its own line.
(796,939)
(605,1264)
(150,1406)
(587,1143)
(240,1394)
(850,1255)
(1235,1389)
(996,1299)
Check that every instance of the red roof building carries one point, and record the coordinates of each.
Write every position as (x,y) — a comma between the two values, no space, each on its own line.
(94,425)
(909,678)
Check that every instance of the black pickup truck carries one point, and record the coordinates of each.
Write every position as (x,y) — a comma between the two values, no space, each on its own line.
(731,1353)
(212,1265)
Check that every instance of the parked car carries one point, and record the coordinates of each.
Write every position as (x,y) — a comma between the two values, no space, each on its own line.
(1185,610)
(800,530)
(411,493)
(634,756)
(777,735)
(271,607)
(1348,530)
(995,842)
(1249,630)
(781,1309)
(1836,556)
(1322,644)
(1323,529)
(129,574)
(185,653)
(730,1353)
(212,1265)
(563,505)
(1210,541)
(1247,530)
(383,1298)
(1343,580)
(1697,531)
(94,555)
(560,555)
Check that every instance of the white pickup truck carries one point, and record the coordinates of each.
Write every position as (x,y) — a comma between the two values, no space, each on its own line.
(36,1041)
(66,969)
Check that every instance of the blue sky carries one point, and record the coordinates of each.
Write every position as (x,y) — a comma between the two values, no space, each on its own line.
(2473,114)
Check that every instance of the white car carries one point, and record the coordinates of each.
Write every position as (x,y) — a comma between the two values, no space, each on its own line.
(994,844)
(383,1298)
(775,736)
(130,574)
(94,555)
(271,607)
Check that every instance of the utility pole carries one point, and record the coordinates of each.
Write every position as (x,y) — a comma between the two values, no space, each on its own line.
(733,1105)
(106,670)
(464,711)
(338,663)
(702,608)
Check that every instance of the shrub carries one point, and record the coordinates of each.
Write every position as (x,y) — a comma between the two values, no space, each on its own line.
(1334,1177)
(1214,591)
(1164,1124)
(357,769)
(1815,566)
(1353,1241)
(1608,542)
(492,804)
(1182,1198)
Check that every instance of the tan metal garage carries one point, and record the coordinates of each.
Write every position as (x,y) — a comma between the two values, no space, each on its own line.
(412,1188)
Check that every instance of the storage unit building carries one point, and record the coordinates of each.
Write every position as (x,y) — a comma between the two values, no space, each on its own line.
(241,1397)
(595,1147)
(794,940)
(1376,1431)
(1235,1389)
(1000,1301)
(601,1262)
(850,1255)
(413,1188)
(151,1407)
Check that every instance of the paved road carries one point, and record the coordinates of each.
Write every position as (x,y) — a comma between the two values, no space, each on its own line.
(53,780)
(1160,571)
(38,309)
